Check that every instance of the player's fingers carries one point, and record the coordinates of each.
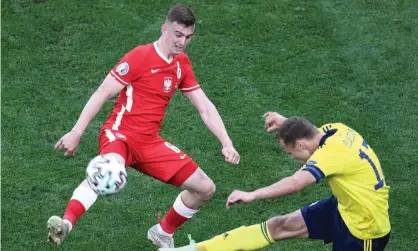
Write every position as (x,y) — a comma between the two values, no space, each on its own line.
(225,153)
(237,159)
(266,114)
(58,144)
(68,153)
(272,127)
(227,205)
(231,157)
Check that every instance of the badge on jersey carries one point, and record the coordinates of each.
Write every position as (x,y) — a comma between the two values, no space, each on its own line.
(167,84)
(122,69)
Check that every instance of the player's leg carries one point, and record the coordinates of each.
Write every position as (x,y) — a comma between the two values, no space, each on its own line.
(169,164)
(83,196)
(254,237)
(82,199)
(314,222)
(199,188)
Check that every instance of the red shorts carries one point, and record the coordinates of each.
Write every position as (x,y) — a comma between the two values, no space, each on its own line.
(152,156)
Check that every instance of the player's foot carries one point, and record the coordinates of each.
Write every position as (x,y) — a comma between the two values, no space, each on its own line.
(58,230)
(190,247)
(159,239)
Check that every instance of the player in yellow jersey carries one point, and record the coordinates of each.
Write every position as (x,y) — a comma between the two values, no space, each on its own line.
(355,218)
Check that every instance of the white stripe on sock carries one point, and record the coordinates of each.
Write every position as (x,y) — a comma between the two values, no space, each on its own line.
(85,195)
(182,209)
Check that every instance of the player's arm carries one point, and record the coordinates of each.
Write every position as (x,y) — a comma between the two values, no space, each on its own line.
(106,90)
(109,88)
(213,121)
(286,186)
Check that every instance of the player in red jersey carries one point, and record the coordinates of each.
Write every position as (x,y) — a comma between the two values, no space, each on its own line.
(146,78)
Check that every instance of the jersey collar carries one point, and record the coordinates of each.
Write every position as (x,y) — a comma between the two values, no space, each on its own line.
(328,134)
(161,54)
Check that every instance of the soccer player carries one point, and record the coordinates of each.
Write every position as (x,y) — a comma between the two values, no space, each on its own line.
(355,218)
(146,78)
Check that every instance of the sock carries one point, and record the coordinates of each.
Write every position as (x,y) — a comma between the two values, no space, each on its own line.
(178,214)
(82,199)
(243,238)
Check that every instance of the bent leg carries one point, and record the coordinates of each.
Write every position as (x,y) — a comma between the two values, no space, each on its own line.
(254,237)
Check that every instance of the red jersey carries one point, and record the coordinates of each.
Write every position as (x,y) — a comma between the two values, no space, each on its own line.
(151,80)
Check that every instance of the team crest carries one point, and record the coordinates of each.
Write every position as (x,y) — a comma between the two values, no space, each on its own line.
(122,69)
(167,84)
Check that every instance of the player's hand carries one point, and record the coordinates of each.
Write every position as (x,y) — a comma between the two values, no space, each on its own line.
(239,197)
(231,155)
(273,120)
(68,143)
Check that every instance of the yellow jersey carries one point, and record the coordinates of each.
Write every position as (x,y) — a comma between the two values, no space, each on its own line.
(353,172)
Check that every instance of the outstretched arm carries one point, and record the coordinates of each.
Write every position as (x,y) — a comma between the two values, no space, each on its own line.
(213,121)
(286,186)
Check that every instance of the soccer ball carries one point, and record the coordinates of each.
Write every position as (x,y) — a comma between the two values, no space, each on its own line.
(106,175)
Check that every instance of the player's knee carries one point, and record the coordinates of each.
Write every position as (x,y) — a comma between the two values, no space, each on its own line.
(207,190)
(277,225)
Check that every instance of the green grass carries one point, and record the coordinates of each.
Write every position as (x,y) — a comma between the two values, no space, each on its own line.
(332,61)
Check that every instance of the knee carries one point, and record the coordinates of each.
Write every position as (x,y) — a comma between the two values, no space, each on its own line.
(207,190)
(276,225)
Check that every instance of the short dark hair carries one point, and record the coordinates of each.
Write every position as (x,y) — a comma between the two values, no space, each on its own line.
(181,14)
(296,128)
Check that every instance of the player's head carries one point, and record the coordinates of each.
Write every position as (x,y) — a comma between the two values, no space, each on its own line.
(298,137)
(178,29)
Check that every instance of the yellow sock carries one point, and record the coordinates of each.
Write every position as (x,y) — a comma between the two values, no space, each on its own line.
(243,238)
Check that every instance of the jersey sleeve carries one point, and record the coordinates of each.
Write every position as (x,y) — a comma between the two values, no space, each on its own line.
(128,68)
(189,82)
(324,164)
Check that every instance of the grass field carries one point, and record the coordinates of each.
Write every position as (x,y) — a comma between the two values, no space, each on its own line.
(333,61)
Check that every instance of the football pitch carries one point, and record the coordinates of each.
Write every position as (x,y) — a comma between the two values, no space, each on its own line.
(353,61)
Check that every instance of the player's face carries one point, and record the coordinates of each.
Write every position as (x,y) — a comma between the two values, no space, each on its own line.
(299,152)
(177,37)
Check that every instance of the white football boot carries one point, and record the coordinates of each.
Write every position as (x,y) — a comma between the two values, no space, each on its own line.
(58,229)
(190,247)
(159,239)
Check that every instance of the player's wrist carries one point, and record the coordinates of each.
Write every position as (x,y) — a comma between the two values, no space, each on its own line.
(255,195)
(226,142)
(77,132)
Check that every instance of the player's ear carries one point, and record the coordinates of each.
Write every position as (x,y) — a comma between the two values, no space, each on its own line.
(300,145)
(164,27)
